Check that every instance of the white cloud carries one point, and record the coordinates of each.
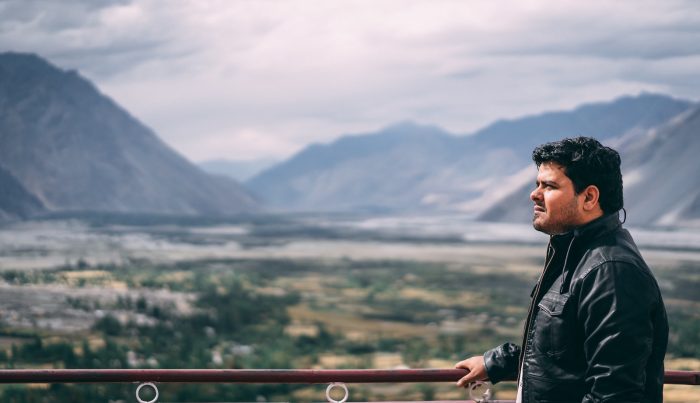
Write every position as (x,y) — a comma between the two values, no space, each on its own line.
(246,79)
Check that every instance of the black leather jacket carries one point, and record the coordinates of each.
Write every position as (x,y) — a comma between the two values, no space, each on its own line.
(596,330)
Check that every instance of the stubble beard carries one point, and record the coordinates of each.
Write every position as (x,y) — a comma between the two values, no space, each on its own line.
(562,221)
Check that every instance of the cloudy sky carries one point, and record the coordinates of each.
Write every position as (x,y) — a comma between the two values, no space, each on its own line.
(242,79)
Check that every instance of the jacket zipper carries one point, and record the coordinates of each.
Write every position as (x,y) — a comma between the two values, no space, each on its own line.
(521,358)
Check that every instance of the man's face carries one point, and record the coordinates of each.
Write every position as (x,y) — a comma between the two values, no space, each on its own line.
(556,208)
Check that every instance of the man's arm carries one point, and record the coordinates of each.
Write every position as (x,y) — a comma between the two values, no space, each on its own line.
(502,362)
(615,309)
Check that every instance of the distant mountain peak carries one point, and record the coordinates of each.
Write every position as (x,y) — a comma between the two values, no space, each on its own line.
(22,58)
(22,66)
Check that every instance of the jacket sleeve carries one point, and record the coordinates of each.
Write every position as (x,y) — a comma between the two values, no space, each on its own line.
(502,362)
(615,309)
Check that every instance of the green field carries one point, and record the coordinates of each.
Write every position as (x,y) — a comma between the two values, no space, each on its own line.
(277,294)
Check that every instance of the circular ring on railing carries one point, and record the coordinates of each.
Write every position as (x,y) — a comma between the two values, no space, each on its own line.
(333,385)
(485,396)
(138,391)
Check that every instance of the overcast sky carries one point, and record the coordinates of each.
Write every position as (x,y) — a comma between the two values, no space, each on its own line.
(251,79)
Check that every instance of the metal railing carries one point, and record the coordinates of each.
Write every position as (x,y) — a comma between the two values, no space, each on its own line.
(335,378)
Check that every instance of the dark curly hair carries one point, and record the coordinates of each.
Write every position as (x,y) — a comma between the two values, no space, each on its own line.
(587,162)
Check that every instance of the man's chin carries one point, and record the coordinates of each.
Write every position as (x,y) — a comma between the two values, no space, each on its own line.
(539,226)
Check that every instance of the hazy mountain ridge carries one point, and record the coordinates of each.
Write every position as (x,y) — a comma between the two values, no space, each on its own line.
(604,120)
(326,177)
(76,150)
(409,167)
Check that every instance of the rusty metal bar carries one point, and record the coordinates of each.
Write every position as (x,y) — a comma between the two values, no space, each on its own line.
(227,375)
(261,376)
(682,377)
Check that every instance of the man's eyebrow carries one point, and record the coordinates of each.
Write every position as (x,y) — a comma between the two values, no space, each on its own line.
(546,182)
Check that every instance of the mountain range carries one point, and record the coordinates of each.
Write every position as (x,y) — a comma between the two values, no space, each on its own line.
(418,168)
(64,146)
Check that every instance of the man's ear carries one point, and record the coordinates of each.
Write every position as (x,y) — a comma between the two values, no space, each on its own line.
(591,198)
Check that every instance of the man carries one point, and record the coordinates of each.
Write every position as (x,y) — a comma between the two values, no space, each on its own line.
(596,330)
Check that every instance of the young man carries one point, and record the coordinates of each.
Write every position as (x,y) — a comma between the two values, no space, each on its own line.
(596,330)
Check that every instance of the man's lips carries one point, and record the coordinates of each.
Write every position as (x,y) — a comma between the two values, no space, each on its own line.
(538,209)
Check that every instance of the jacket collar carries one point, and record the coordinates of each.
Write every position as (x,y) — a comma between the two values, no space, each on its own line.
(585,233)
(590,230)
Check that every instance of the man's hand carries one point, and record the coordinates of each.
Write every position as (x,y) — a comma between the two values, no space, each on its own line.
(477,370)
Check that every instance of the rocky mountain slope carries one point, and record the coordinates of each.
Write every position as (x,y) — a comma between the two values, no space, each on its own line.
(74,149)
(375,172)
(662,174)
(15,201)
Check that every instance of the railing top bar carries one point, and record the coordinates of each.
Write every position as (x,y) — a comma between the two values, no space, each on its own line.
(682,377)
(228,375)
(261,376)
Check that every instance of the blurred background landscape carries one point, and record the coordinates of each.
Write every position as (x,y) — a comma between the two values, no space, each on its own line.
(293,185)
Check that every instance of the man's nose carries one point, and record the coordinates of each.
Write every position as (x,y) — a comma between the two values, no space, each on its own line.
(535,195)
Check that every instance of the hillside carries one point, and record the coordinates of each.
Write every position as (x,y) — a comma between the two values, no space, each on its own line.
(15,201)
(661,180)
(74,149)
(373,172)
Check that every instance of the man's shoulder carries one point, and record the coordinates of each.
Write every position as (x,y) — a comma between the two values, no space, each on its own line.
(616,248)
